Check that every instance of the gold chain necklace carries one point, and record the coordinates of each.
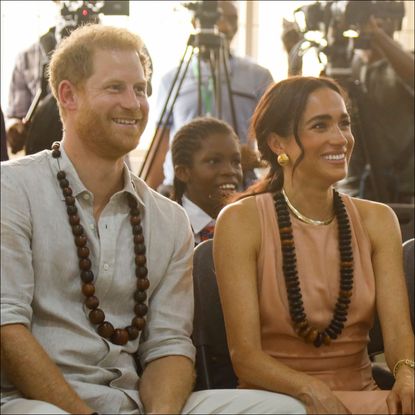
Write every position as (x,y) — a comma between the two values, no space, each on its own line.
(303,218)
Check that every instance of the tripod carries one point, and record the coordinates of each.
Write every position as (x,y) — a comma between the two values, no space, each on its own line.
(212,48)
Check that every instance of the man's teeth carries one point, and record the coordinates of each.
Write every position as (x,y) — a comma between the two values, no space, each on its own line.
(227,187)
(334,156)
(125,122)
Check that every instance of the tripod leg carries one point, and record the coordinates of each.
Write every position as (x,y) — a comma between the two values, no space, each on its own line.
(199,84)
(147,172)
(212,83)
(173,84)
(218,94)
(229,87)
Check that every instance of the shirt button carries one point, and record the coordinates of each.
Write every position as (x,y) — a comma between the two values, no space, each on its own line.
(92,226)
(86,196)
(106,267)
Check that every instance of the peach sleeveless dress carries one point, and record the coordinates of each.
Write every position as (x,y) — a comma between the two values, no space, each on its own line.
(344,365)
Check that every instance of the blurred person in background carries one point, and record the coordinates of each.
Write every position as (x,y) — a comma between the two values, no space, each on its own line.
(29,80)
(248,82)
(386,114)
(4,152)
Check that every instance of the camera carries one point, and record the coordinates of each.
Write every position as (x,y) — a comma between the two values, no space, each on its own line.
(78,13)
(356,14)
(351,14)
(342,26)
(206,13)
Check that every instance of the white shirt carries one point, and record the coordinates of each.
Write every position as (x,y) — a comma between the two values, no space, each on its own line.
(41,286)
(197,216)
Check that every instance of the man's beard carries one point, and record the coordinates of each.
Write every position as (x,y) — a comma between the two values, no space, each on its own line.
(102,139)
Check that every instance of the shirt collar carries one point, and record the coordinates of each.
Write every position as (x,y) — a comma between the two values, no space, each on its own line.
(76,184)
(198,217)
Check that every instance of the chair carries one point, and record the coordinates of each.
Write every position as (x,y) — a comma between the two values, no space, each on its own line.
(408,266)
(384,377)
(213,365)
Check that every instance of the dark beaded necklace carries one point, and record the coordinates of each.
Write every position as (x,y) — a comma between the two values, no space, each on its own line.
(105,329)
(301,324)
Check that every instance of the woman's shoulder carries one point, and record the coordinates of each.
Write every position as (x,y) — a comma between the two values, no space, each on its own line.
(371,210)
(240,216)
(377,217)
(238,209)
(238,224)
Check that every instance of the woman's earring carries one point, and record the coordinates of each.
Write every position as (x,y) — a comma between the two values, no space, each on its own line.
(283,159)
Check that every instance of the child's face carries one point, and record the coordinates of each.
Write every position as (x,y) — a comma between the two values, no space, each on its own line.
(215,174)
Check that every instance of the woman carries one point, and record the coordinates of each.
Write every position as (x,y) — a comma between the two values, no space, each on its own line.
(300,267)
(207,170)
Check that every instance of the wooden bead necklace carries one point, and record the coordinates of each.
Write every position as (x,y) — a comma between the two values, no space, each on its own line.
(119,336)
(298,316)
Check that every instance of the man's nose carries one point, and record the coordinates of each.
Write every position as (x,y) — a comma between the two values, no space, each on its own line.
(130,99)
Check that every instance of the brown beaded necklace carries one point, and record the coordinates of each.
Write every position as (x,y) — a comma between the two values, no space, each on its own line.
(298,316)
(119,336)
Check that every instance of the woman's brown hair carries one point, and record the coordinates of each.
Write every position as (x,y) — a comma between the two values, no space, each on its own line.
(279,111)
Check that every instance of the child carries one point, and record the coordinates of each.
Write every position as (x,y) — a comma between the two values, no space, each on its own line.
(207,166)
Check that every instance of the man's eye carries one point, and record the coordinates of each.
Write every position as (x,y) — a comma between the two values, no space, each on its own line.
(140,91)
(114,87)
(319,126)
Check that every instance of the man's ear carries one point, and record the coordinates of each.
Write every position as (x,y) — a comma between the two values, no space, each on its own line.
(68,95)
(276,143)
(182,173)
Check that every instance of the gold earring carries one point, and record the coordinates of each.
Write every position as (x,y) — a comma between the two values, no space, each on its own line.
(283,159)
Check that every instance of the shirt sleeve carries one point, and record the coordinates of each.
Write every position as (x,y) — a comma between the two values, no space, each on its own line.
(20,95)
(170,316)
(17,276)
(264,81)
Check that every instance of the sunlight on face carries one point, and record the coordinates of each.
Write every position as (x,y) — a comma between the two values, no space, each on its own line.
(325,134)
(215,173)
(113,107)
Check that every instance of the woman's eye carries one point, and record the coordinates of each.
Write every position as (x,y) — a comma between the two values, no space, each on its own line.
(319,126)
(345,124)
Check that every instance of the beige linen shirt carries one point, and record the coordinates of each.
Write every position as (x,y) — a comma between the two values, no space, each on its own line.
(41,286)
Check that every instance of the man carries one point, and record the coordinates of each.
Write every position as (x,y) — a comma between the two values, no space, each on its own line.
(385,110)
(96,267)
(248,82)
(26,81)
(29,77)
